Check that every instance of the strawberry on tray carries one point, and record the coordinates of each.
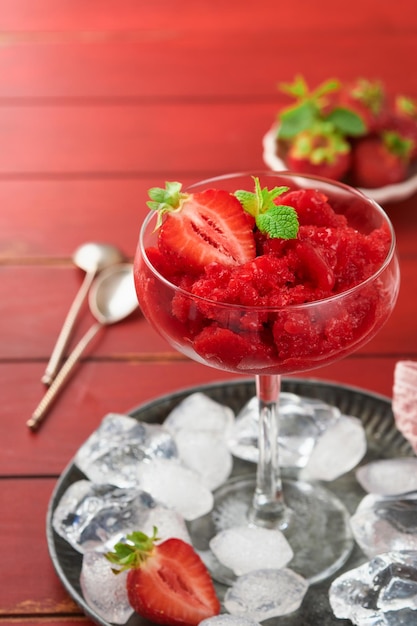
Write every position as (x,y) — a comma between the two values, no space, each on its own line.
(167,582)
(354,132)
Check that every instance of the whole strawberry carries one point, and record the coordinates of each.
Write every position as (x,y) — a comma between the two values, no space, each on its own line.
(167,582)
(320,151)
(365,98)
(380,160)
(404,121)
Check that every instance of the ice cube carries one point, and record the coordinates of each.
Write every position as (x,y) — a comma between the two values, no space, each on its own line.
(104,591)
(228,620)
(91,516)
(246,548)
(338,450)
(301,421)
(176,486)
(168,522)
(205,453)
(198,412)
(385,524)
(389,477)
(114,451)
(381,592)
(263,594)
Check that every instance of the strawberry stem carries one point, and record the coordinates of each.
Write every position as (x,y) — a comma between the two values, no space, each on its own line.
(166,200)
(133,552)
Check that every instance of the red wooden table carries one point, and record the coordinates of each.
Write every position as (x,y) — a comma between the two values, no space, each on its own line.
(98,102)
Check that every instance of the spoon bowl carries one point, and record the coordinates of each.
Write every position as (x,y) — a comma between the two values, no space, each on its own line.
(112,298)
(92,257)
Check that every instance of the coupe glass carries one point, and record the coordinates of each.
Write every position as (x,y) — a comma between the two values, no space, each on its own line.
(309,335)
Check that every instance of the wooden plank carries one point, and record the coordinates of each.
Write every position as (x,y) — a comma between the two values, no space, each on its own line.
(86,140)
(22,524)
(71,212)
(98,389)
(105,387)
(77,210)
(207,65)
(61,620)
(114,15)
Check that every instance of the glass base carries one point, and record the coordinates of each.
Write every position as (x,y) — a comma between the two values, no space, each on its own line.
(317,527)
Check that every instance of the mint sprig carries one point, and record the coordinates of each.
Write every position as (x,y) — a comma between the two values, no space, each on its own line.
(277,221)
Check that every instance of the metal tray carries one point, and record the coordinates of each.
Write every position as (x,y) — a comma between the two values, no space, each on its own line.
(384,441)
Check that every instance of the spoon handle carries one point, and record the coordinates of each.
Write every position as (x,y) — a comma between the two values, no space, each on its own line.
(40,412)
(66,330)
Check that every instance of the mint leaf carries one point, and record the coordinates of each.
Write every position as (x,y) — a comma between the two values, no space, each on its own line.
(249,201)
(259,201)
(347,122)
(272,219)
(280,221)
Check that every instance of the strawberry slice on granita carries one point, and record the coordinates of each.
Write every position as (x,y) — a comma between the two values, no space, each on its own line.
(196,229)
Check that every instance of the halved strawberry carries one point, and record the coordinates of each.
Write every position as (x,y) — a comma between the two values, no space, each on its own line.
(167,583)
(197,229)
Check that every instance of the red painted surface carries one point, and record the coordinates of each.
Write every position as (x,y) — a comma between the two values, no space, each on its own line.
(98,102)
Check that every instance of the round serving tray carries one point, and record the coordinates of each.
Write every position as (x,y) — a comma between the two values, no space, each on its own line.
(384,441)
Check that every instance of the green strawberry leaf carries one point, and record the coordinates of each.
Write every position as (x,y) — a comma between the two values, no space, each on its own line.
(165,200)
(397,144)
(280,221)
(132,552)
(296,119)
(347,122)
(298,89)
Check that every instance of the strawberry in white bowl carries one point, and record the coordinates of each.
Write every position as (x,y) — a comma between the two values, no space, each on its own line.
(354,132)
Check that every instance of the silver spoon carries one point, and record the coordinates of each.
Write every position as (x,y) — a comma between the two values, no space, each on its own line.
(92,258)
(112,298)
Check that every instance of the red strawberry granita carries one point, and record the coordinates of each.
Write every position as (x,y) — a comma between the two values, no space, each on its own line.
(280,280)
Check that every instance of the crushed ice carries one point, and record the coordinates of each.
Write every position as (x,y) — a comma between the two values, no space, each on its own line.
(267,593)
(229,620)
(312,435)
(103,591)
(385,524)
(246,548)
(389,477)
(136,474)
(339,449)
(200,427)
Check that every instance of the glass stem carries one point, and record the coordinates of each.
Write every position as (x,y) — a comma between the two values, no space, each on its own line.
(268,507)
